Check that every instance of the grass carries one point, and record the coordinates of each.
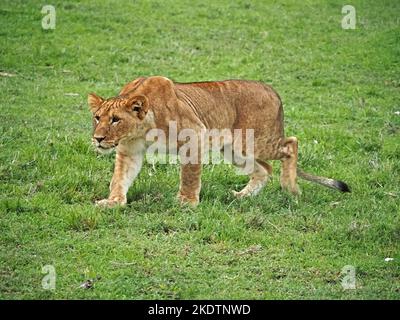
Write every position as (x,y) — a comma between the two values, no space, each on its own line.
(340,88)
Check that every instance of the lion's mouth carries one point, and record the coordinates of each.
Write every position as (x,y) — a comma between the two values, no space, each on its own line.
(105,149)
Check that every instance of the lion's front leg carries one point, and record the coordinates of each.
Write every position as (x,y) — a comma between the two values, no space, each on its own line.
(190,185)
(128,163)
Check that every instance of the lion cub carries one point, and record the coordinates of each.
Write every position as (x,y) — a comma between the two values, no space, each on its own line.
(154,103)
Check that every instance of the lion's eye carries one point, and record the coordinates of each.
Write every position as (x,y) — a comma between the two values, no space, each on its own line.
(97,118)
(115,119)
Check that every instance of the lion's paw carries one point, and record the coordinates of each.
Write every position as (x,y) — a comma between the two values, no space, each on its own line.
(109,203)
(184,200)
(238,194)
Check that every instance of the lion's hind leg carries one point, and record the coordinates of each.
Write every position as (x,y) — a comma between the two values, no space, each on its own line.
(289,165)
(258,171)
(258,179)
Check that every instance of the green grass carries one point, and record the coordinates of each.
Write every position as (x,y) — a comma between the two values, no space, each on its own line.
(341,89)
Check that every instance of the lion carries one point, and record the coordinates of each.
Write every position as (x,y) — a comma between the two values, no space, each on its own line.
(121,123)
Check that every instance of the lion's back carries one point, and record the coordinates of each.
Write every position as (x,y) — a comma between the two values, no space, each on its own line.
(233,103)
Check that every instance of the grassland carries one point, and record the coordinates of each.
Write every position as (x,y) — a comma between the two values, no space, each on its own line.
(341,91)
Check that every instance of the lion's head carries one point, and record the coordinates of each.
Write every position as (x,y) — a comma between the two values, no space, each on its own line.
(116,119)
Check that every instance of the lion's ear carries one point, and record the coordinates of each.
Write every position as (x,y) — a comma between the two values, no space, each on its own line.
(94,102)
(139,105)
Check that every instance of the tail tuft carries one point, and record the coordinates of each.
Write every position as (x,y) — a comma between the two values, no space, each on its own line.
(327,182)
(342,186)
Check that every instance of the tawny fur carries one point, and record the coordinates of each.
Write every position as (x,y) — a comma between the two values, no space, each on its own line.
(146,103)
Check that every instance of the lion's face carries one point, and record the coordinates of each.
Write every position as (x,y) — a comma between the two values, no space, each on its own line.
(115,120)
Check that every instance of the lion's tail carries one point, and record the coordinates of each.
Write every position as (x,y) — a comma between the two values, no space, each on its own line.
(327,182)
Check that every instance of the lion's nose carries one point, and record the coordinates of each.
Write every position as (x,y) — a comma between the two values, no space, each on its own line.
(99,138)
